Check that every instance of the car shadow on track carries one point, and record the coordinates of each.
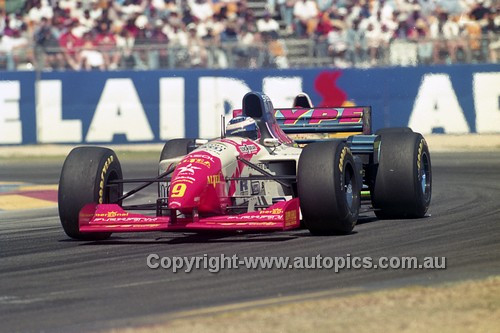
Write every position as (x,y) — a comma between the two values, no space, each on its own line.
(363,219)
(175,238)
(215,237)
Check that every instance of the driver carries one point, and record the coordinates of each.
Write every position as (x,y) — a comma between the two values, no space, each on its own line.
(245,127)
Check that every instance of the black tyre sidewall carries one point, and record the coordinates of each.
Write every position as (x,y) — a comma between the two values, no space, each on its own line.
(397,191)
(321,171)
(84,176)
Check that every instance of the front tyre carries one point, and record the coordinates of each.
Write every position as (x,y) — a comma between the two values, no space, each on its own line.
(402,184)
(329,188)
(174,148)
(84,178)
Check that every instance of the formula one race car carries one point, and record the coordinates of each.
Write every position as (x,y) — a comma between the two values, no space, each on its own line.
(255,177)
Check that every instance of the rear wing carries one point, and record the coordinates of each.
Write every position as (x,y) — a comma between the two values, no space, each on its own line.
(325,120)
(349,120)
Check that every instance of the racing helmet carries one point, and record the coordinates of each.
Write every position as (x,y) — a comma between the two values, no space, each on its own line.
(243,127)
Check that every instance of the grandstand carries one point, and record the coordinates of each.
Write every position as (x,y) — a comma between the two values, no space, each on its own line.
(155,34)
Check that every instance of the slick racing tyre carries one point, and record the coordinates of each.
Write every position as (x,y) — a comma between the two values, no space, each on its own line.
(402,182)
(329,188)
(394,130)
(175,148)
(84,178)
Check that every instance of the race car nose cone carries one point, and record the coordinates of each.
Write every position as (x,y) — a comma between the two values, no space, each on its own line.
(197,182)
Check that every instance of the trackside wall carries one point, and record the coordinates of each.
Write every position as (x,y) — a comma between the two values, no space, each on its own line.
(153,106)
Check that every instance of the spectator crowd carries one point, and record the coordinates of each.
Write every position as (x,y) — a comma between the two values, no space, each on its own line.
(152,34)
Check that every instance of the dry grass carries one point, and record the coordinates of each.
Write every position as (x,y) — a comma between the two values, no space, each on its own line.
(470,142)
(471,306)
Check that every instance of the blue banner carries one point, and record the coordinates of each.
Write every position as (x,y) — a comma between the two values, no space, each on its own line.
(153,106)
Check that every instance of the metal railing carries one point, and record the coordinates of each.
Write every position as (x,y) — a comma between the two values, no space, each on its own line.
(282,53)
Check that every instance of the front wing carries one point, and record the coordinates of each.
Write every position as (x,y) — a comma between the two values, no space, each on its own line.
(283,215)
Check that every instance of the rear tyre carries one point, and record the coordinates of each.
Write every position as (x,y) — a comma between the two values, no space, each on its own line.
(403,180)
(329,188)
(84,178)
(394,130)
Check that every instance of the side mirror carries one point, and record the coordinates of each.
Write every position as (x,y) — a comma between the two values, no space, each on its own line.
(200,142)
(271,142)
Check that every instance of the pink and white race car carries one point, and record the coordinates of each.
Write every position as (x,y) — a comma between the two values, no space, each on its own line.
(255,177)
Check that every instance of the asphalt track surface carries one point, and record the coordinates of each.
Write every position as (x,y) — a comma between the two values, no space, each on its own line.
(51,283)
